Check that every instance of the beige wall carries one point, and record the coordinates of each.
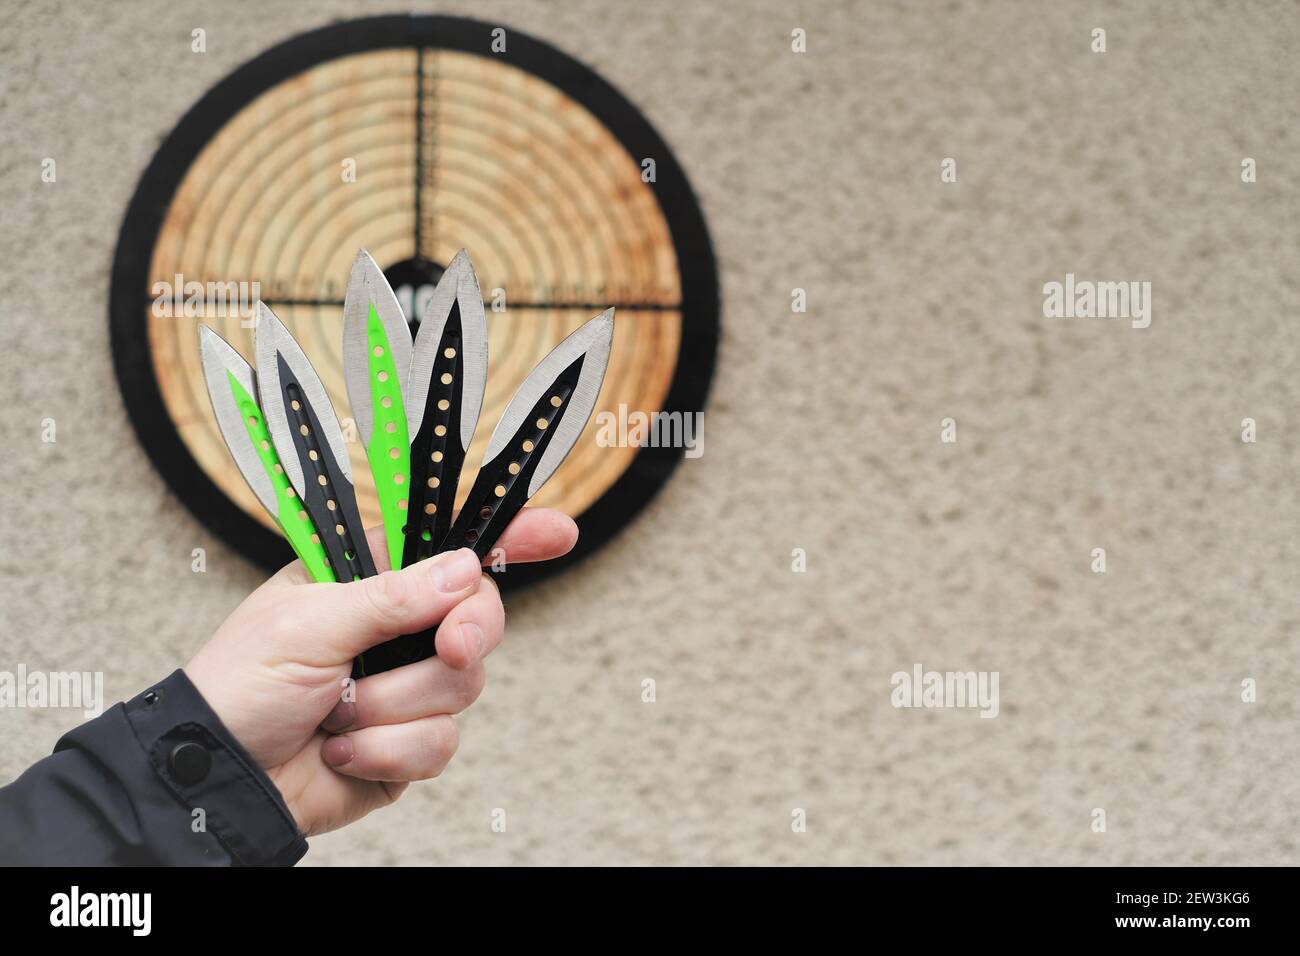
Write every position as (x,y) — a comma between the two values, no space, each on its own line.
(1119,691)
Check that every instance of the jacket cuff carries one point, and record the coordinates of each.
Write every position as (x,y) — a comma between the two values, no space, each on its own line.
(211,774)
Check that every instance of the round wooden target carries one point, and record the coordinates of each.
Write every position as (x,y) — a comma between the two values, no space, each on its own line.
(410,137)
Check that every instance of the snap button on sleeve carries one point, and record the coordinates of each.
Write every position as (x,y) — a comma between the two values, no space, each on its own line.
(190,762)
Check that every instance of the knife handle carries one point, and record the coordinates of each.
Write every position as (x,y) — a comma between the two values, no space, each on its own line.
(437,453)
(406,649)
(502,487)
(298,528)
(389,448)
(328,496)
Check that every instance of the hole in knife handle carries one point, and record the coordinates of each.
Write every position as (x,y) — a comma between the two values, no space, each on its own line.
(312,457)
(436,451)
(530,439)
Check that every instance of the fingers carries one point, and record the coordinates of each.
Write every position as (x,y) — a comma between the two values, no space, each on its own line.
(339,621)
(472,629)
(445,684)
(423,689)
(537,534)
(415,750)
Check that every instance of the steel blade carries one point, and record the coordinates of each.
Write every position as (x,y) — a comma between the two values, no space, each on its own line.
(367,289)
(536,432)
(306,431)
(448,375)
(219,361)
(273,342)
(591,342)
(459,287)
(377,370)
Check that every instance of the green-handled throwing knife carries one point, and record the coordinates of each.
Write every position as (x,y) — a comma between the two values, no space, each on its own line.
(376,368)
(232,387)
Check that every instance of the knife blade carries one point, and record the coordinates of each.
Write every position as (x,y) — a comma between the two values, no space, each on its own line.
(232,387)
(538,429)
(536,432)
(448,378)
(306,431)
(376,369)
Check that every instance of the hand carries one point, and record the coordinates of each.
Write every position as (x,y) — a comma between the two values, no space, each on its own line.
(275,672)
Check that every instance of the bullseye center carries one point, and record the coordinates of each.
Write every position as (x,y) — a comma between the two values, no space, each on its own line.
(413,281)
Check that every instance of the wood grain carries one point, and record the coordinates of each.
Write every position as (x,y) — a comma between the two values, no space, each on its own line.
(550,206)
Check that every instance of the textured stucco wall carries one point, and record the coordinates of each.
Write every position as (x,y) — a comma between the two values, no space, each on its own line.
(821,171)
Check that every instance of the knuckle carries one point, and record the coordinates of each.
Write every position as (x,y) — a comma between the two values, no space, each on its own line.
(469,685)
(386,762)
(388,596)
(441,743)
(281,621)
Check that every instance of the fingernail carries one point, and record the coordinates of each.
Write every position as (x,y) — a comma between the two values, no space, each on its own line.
(341,717)
(472,635)
(456,571)
(336,751)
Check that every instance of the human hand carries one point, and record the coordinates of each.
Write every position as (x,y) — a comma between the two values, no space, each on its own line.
(275,671)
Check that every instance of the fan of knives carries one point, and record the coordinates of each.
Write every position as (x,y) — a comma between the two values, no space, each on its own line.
(416,406)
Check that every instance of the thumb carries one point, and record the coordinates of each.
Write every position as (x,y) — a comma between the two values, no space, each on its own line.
(346,619)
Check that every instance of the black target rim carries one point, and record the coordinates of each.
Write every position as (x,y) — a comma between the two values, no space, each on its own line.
(699,306)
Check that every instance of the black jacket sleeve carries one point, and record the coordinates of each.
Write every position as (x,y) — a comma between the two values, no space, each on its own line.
(155,781)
